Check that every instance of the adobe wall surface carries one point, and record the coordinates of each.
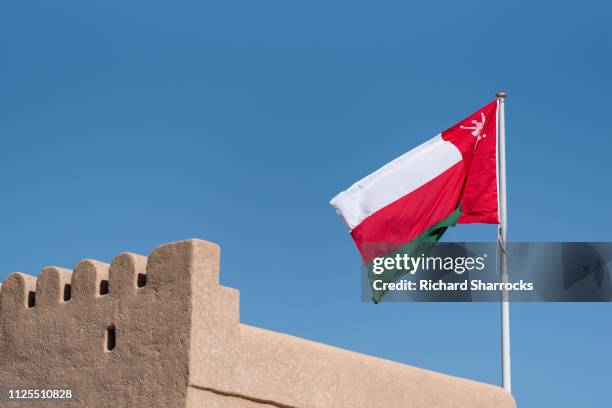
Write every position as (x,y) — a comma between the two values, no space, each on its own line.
(59,343)
(179,343)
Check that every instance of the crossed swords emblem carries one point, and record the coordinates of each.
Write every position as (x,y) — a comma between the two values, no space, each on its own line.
(477,128)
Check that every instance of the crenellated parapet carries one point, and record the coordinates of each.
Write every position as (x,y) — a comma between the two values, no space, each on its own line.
(125,276)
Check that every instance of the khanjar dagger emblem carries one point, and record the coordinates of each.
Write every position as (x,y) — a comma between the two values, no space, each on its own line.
(477,128)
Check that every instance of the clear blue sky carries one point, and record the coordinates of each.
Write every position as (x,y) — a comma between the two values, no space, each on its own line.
(129,124)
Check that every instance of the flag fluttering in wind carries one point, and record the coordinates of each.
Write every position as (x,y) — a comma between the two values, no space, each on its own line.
(410,202)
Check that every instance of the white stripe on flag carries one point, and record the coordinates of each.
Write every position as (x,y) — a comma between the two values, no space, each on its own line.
(395,180)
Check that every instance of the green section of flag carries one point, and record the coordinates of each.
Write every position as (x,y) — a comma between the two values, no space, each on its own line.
(417,247)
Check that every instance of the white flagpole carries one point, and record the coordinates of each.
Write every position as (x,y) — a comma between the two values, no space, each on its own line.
(502,239)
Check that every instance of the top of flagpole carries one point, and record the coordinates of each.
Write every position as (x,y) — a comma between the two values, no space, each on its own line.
(501,95)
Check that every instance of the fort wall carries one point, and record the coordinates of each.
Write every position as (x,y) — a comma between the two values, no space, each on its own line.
(162,332)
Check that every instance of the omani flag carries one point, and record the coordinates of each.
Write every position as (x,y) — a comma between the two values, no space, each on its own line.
(406,205)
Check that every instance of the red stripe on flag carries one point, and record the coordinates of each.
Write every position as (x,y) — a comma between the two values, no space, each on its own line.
(406,218)
(479,196)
